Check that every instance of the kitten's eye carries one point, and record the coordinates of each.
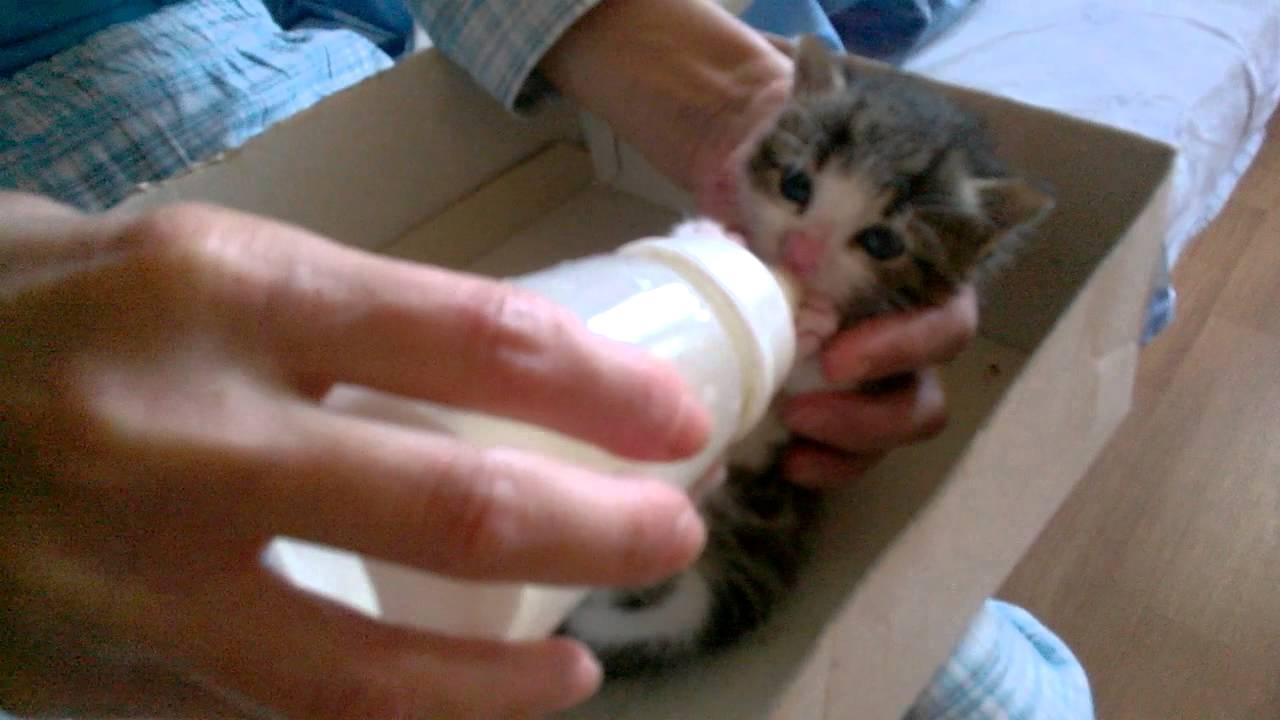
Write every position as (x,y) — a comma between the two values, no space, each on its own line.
(796,187)
(880,242)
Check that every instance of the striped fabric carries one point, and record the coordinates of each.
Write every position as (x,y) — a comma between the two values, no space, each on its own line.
(143,100)
(499,41)
(887,30)
(1007,667)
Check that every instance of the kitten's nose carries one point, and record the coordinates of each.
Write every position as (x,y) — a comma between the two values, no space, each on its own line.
(802,253)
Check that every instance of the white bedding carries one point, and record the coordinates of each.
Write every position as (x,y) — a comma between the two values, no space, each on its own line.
(1202,75)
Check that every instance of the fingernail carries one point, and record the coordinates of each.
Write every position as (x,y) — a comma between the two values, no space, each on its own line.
(587,675)
(692,429)
(691,530)
(581,677)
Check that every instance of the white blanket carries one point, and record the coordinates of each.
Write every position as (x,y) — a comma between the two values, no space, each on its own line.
(1202,75)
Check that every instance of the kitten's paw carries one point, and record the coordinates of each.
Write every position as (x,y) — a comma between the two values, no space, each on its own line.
(817,321)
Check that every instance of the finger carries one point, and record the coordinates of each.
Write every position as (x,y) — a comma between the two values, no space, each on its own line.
(785,45)
(481,344)
(902,342)
(81,685)
(432,502)
(16,208)
(331,314)
(821,467)
(41,238)
(58,662)
(271,646)
(859,422)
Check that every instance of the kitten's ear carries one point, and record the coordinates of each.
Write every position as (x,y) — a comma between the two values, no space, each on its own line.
(962,238)
(1011,203)
(1007,206)
(817,70)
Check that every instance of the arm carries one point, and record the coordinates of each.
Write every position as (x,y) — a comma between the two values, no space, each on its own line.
(682,80)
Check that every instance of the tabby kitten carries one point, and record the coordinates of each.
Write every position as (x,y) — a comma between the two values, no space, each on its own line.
(877,194)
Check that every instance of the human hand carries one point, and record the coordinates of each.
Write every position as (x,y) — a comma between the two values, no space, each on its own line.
(159,423)
(685,83)
(896,396)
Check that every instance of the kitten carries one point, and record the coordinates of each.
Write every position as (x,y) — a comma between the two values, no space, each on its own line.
(877,194)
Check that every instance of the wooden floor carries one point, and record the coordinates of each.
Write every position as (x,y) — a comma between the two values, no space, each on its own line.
(1163,569)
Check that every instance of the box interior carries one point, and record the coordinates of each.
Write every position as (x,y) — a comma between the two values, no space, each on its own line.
(583,217)
(418,164)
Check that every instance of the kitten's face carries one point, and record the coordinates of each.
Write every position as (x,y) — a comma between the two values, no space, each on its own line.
(875,192)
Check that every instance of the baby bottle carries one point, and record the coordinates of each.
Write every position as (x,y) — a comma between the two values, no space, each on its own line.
(695,299)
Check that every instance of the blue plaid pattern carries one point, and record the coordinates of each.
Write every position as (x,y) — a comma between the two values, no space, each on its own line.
(888,30)
(1007,667)
(143,100)
(147,99)
(498,41)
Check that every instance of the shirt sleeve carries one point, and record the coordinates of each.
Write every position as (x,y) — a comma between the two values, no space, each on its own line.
(499,42)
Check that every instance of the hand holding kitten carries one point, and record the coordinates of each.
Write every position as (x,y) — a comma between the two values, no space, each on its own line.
(849,431)
(701,90)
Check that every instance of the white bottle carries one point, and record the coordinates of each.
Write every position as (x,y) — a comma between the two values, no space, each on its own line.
(697,300)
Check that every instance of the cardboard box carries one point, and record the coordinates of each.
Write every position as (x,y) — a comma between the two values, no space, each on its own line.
(418,163)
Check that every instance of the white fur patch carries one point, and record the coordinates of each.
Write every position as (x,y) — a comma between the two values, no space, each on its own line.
(677,619)
(843,203)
